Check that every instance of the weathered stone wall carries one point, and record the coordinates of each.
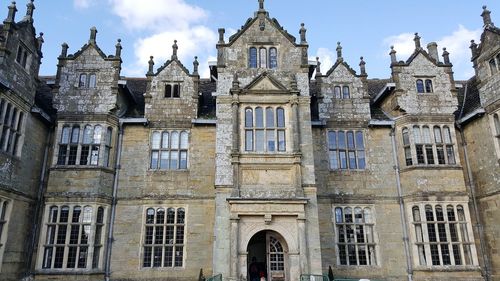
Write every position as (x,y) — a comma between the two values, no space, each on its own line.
(489,82)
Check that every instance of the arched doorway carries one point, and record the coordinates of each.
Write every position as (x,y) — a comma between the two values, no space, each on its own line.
(267,257)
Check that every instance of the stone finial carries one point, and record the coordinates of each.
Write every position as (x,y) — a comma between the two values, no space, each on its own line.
(174,50)
(40,41)
(486,14)
(151,65)
(118,48)
(64,50)
(12,12)
(418,46)
(196,64)
(362,66)
(473,48)
(446,56)
(221,35)
(339,51)
(393,55)
(433,51)
(261,5)
(236,82)
(318,67)
(302,33)
(30,7)
(93,35)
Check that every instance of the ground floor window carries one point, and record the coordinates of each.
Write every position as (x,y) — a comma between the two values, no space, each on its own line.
(355,238)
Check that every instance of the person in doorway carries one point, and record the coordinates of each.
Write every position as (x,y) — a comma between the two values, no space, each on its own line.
(254,270)
(262,277)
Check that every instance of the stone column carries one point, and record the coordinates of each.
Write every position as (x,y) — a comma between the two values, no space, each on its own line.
(234,246)
(304,263)
(295,126)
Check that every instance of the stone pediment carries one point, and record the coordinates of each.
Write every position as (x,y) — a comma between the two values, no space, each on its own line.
(265,83)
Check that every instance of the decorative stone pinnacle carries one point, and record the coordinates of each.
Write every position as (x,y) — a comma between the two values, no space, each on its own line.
(339,51)
(362,66)
(151,65)
(12,12)
(393,55)
(221,35)
(29,11)
(261,5)
(486,14)
(174,50)
(318,66)
(93,35)
(118,51)
(302,33)
(64,49)
(446,56)
(40,41)
(417,41)
(195,66)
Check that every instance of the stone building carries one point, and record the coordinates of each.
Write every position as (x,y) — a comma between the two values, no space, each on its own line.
(269,168)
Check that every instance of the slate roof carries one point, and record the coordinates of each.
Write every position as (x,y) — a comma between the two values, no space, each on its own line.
(374,87)
(468,98)
(43,96)
(137,87)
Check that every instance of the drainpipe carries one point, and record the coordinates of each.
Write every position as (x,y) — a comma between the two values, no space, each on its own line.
(402,212)
(39,204)
(109,243)
(472,187)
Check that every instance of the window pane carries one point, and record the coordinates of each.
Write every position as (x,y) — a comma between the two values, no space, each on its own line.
(164,140)
(341,141)
(273,58)
(271,140)
(154,160)
(75,133)
(338,215)
(350,140)
(428,86)
(263,57)
(426,134)
(334,162)
(184,140)
(259,140)
(447,134)
(164,159)
(332,140)
(359,140)
(361,160)
(345,92)
(168,90)
(183,160)
(87,134)
(65,135)
(416,134)
(437,135)
(174,142)
(406,137)
(92,81)
(252,58)
(155,140)
(97,134)
(248,118)
(83,81)
(180,215)
(420,86)
(337,92)
(174,160)
(177,91)
(150,214)
(281,141)
(269,117)
(280,112)
(343,160)
(248,140)
(259,117)
(496,120)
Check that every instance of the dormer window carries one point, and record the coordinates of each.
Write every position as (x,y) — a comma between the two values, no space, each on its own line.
(22,56)
(172,90)
(87,80)
(264,58)
(493,65)
(424,86)
(342,92)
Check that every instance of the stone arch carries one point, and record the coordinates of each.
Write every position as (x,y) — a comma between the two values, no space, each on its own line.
(289,238)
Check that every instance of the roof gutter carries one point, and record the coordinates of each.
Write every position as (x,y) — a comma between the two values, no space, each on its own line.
(143,121)
(471,115)
(388,123)
(42,113)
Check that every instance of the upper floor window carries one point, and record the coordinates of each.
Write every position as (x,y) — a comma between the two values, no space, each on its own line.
(442,235)
(263,57)
(346,150)
(11,125)
(169,150)
(428,146)
(4,216)
(496,122)
(22,56)
(493,66)
(265,129)
(87,80)
(354,227)
(172,90)
(424,86)
(73,237)
(163,244)
(92,147)
(342,92)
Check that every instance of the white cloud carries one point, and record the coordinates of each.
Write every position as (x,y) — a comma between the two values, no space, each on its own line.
(326,57)
(157,14)
(82,4)
(457,44)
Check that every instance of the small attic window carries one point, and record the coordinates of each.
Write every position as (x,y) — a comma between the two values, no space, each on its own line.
(273,58)
(172,90)
(420,86)
(83,81)
(428,86)
(22,56)
(252,57)
(493,65)
(263,57)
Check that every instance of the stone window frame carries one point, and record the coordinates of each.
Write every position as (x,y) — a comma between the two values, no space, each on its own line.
(12,122)
(494,64)
(349,148)
(5,211)
(87,80)
(364,235)
(155,229)
(450,237)
(76,149)
(421,147)
(172,89)
(23,56)
(56,234)
(276,132)
(342,91)
(160,148)
(256,60)
(424,85)
(495,130)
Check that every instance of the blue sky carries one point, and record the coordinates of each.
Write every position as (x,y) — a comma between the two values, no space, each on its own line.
(365,28)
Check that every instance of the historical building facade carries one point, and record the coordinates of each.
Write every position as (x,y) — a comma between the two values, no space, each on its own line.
(271,168)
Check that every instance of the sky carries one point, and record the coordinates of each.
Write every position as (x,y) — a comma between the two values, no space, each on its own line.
(364,27)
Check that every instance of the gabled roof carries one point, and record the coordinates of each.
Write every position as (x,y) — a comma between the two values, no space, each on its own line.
(249,23)
(490,28)
(421,51)
(265,75)
(84,48)
(168,62)
(340,62)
